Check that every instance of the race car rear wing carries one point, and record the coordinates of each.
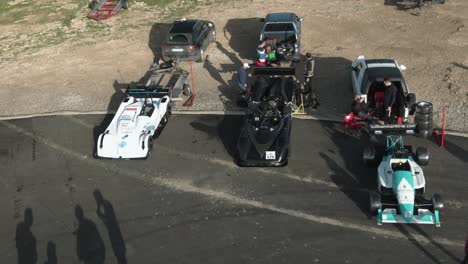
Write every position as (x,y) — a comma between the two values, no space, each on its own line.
(147,92)
(273,71)
(380,129)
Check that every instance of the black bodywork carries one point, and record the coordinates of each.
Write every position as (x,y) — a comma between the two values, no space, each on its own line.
(265,133)
(188,39)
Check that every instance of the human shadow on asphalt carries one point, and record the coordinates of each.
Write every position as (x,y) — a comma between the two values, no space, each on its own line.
(106,213)
(243,35)
(26,247)
(51,253)
(227,130)
(89,244)
(157,36)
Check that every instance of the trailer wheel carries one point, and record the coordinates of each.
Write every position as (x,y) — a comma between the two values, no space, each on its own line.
(374,202)
(437,202)
(187,90)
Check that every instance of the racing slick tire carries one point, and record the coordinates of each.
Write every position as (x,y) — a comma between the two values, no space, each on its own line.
(369,156)
(187,90)
(374,202)
(167,115)
(418,118)
(424,133)
(424,108)
(437,203)
(422,156)
(424,125)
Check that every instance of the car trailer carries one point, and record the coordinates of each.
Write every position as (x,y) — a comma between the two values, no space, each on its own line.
(168,76)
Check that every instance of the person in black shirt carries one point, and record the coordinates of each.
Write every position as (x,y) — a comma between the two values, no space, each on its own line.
(390,96)
(309,90)
(360,108)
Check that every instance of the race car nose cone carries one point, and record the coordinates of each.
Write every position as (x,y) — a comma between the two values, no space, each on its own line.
(407,211)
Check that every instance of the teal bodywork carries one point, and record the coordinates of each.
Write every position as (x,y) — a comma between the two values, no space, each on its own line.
(403,187)
(404,191)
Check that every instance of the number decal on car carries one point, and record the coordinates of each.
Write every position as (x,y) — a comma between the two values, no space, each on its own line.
(270,155)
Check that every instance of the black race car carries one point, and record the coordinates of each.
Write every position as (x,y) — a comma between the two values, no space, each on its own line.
(188,39)
(264,138)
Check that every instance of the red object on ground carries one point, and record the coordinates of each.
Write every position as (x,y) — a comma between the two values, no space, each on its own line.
(189,101)
(105,9)
(353,122)
(441,135)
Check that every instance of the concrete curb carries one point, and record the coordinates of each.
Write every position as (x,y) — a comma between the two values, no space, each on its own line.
(232,113)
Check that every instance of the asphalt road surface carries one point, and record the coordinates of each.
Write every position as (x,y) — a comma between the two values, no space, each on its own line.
(188,203)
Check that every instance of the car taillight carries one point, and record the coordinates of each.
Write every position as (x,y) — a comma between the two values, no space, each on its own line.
(192,47)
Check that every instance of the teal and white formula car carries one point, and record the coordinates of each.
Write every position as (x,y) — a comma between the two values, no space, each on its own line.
(401,185)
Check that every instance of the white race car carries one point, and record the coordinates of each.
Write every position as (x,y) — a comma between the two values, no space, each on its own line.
(130,134)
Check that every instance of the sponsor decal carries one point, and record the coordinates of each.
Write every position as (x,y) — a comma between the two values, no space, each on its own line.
(122,144)
(405,193)
(131,108)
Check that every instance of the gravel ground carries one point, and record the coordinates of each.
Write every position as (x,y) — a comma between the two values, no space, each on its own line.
(83,74)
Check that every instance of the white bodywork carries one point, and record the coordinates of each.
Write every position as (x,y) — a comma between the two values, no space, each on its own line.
(386,173)
(129,134)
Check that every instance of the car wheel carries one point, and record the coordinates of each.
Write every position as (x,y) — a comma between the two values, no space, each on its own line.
(422,156)
(202,55)
(369,156)
(437,203)
(374,202)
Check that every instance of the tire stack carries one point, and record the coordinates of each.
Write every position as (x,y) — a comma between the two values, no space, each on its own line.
(424,119)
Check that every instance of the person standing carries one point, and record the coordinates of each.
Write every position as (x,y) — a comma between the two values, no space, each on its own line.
(390,97)
(242,77)
(309,68)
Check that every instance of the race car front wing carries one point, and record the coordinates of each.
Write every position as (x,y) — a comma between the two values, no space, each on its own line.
(424,216)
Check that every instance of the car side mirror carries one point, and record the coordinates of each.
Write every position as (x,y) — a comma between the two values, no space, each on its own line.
(402,67)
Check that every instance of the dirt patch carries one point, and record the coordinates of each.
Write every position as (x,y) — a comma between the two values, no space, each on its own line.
(71,63)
